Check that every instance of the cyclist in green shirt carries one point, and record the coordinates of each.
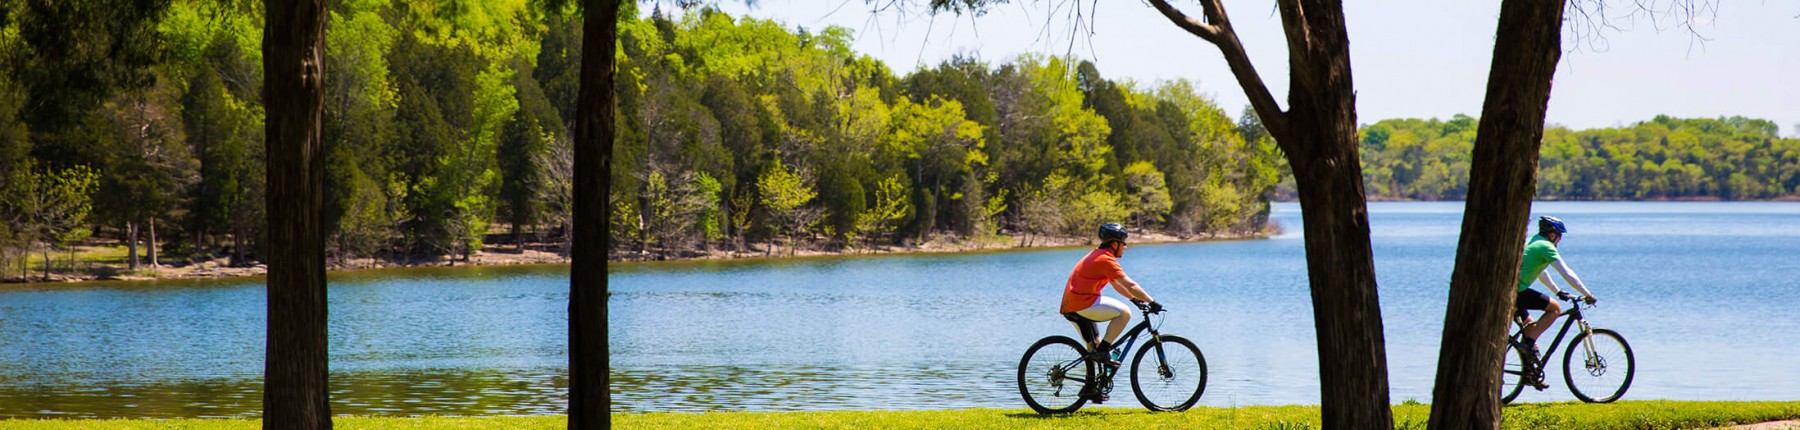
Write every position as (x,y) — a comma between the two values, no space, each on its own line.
(1540,254)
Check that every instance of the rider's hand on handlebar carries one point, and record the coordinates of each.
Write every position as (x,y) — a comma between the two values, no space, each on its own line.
(1565,296)
(1155,307)
(1590,300)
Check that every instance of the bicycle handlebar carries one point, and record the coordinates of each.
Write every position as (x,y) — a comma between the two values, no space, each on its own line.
(1145,306)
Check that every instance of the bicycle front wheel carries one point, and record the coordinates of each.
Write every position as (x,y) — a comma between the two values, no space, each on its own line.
(1512,374)
(1052,374)
(1603,375)
(1173,377)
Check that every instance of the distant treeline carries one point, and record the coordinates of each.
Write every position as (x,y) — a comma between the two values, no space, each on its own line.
(1732,158)
(447,121)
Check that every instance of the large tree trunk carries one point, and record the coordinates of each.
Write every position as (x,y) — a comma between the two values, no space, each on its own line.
(1340,268)
(1318,136)
(295,390)
(590,401)
(1502,181)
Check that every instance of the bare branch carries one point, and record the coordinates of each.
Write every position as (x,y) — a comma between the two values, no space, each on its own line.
(1217,30)
(1205,32)
(1589,21)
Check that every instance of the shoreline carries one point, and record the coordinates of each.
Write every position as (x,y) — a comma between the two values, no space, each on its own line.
(502,255)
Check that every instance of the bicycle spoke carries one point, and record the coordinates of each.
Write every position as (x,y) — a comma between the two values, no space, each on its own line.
(1052,375)
(1603,375)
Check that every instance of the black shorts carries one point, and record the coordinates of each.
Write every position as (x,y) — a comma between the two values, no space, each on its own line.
(1530,300)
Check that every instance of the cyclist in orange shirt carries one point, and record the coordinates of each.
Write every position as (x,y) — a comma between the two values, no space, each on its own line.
(1082,303)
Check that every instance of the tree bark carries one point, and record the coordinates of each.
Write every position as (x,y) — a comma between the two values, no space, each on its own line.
(131,246)
(151,246)
(1502,182)
(590,398)
(295,393)
(1318,136)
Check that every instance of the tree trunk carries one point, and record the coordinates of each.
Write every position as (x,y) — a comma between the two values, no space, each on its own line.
(295,394)
(131,246)
(1340,269)
(1318,135)
(1502,181)
(590,398)
(152,245)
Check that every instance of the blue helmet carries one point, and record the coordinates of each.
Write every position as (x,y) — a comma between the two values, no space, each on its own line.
(1113,231)
(1548,224)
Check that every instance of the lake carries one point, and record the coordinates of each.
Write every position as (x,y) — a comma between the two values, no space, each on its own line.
(1704,292)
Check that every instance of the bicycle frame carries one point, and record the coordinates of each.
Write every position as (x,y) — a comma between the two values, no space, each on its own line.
(1573,317)
(1126,341)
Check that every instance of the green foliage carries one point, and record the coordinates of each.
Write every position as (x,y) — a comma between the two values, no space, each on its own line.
(783,189)
(1149,194)
(444,117)
(1732,158)
(48,206)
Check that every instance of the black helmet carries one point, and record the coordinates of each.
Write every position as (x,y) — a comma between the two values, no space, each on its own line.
(1113,231)
(1548,224)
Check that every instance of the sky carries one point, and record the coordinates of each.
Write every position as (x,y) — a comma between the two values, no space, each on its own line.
(1410,58)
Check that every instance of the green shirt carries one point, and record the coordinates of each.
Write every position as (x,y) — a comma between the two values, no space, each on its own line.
(1539,252)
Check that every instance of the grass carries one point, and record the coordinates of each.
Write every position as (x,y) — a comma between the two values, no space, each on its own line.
(87,258)
(1636,415)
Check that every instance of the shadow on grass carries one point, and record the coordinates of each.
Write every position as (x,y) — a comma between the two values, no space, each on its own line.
(1038,416)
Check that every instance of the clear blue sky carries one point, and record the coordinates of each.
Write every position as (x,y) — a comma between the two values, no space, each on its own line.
(1411,58)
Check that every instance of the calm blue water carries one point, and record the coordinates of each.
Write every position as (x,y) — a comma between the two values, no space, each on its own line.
(1704,292)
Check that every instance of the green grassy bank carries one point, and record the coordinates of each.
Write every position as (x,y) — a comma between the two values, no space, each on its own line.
(1635,415)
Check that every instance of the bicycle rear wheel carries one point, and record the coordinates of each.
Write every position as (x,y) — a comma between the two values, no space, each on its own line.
(1052,374)
(1604,376)
(1173,379)
(1512,374)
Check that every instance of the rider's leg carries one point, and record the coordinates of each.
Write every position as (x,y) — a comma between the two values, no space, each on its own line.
(1117,326)
(1551,311)
(1108,309)
(1089,335)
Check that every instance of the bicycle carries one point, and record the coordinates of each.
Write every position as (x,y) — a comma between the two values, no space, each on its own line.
(1601,352)
(1057,376)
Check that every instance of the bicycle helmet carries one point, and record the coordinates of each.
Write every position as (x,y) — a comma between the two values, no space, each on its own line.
(1548,224)
(1113,231)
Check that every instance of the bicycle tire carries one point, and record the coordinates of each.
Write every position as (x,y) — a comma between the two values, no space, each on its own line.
(1044,375)
(1512,373)
(1609,347)
(1174,380)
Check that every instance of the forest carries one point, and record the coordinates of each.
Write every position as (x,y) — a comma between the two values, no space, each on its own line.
(447,130)
(1665,158)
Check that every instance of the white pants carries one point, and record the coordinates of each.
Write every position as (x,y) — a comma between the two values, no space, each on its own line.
(1105,309)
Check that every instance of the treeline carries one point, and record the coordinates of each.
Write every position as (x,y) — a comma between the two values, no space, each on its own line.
(447,125)
(1732,158)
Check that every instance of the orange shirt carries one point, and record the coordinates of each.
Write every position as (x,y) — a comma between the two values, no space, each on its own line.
(1088,278)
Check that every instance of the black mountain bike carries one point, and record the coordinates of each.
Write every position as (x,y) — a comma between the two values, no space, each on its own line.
(1168,374)
(1598,364)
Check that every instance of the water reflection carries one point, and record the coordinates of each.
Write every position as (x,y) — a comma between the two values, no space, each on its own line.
(419,392)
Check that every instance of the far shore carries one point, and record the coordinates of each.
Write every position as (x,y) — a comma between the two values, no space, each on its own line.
(507,254)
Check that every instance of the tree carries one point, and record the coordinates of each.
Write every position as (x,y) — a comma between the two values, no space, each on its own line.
(295,393)
(51,206)
(1527,46)
(71,59)
(590,399)
(1317,133)
(1149,195)
(784,191)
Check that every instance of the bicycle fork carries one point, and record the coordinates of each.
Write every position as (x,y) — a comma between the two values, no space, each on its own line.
(1590,358)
